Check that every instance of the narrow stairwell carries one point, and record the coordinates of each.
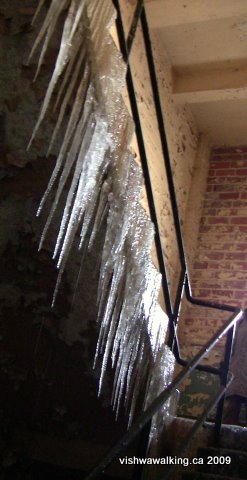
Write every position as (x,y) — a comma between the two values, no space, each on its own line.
(223,462)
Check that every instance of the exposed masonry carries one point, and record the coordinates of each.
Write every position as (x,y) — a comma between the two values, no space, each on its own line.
(219,272)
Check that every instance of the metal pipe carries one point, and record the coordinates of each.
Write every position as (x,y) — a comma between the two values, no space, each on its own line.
(172,341)
(202,368)
(173,334)
(206,304)
(224,377)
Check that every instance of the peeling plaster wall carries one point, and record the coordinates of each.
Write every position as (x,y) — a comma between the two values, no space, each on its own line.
(194,205)
(189,151)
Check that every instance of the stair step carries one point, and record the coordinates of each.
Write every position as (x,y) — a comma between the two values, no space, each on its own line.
(232,443)
(233,437)
(215,461)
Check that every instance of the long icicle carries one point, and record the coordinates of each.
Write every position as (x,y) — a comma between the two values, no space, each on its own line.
(97,174)
(62,59)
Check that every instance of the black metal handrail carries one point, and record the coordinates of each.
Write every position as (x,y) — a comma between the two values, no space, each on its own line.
(141,145)
(184,283)
(154,407)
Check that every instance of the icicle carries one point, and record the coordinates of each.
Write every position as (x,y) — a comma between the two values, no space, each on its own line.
(70,26)
(85,179)
(104,184)
(50,21)
(100,19)
(76,18)
(92,205)
(82,148)
(74,56)
(77,144)
(102,210)
(113,325)
(78,101)
(107,337)
(70,131)
(160,377)
(38,10)
(48,36)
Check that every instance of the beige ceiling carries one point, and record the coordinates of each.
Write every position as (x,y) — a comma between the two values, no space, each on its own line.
(206,41)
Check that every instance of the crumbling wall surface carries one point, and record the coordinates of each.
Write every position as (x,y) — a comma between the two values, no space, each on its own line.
(46,355)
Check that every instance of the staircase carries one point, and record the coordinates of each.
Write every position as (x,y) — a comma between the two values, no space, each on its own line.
(229,461)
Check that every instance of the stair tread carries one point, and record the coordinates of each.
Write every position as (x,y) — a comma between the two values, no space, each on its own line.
(232,443)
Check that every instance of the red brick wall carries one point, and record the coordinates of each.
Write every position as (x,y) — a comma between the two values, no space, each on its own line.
(219,272)
(220,268)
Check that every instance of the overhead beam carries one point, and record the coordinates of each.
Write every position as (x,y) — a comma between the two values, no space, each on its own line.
(167,13)
(210,82)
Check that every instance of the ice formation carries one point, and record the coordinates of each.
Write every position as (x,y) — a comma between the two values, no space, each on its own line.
(160,377)
(105,184)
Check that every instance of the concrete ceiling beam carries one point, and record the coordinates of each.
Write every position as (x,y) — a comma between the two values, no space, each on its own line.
(167,13)
(207,83)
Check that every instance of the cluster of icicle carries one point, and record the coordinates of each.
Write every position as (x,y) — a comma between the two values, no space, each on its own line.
(105,185)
